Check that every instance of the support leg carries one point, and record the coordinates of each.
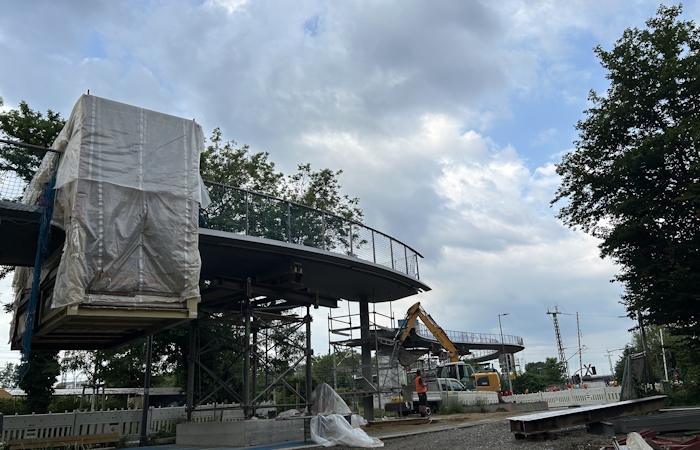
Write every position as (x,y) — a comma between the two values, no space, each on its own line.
(254,368)
(368,400)
(146,389)
(190,369)
(246,365)
(309,353)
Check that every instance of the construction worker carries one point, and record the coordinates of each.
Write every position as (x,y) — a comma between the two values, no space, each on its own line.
(421,389)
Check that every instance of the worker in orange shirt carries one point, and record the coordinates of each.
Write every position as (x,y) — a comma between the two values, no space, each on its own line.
(421,389)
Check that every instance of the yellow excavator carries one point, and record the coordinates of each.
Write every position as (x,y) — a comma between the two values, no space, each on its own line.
(482,381)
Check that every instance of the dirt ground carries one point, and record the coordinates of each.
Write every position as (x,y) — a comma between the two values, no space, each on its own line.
(490,431)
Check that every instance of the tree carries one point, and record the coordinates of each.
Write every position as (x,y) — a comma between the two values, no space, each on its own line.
(39,380)
(222,163)
(31,127)
(551,370)
(632,180)
(8,376)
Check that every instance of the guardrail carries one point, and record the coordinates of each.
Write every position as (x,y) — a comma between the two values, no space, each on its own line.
(240,211)
(569,397)
(463,337)
(125,422)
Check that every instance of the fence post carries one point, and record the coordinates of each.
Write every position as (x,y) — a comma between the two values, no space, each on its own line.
(374,250)
(405,256)
(351,252)
(247,201)
(289,222)
(391,250)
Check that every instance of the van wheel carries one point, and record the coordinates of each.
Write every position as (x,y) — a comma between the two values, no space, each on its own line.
(430,408)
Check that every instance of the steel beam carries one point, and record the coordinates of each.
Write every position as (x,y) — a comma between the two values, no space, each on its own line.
(554,420)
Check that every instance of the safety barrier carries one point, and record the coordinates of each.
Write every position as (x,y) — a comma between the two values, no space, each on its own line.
(125,422)
(569,397)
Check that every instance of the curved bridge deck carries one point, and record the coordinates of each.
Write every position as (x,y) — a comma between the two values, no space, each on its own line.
(253,246)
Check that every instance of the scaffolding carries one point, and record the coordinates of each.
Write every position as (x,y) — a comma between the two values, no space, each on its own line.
(350,378)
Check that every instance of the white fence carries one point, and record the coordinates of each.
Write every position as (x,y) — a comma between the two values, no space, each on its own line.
(570,397)
(125,422)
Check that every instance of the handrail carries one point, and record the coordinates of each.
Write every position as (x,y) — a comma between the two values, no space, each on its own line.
(272,197)
(248,212)
(463,337)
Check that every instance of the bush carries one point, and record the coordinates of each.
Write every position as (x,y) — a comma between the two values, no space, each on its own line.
(454,407)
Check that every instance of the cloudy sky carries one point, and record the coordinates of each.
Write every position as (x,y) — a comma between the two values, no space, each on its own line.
(446,117)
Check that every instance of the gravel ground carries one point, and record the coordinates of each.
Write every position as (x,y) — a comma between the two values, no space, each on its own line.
(495,435)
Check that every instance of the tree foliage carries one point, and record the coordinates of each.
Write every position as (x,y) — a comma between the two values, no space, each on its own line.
(633,178)
(39,380)
(539,375)
(31,127)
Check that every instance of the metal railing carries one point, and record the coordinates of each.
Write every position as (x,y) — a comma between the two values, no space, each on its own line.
(240,211)
(463,337)
(237,210)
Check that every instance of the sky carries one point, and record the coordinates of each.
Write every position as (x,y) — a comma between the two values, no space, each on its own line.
(447,119)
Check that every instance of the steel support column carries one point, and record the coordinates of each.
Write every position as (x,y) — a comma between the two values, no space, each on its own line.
(190,369)
(368,399)
(146,392)
(309,353)
(246,363)
(254,368)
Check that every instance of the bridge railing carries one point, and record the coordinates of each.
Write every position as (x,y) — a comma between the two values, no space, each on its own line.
(463,337)
(251,213)
(237,210)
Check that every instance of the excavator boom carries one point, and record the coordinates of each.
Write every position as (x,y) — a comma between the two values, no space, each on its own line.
(415,312)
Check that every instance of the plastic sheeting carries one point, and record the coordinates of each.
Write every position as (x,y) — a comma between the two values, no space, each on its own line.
(330,425)
(128,195)
(327,401)
(334,429)
(635,441)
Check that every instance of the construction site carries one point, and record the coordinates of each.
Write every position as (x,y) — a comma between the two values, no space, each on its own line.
(117,238)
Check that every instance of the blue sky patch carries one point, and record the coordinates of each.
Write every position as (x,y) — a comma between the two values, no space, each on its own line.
(311,26)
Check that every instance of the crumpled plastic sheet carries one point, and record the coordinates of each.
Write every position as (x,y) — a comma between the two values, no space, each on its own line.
(330,425)
(635,441)
(334,429)
(327,401)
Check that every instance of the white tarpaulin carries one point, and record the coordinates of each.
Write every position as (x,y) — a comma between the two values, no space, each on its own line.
(330,425)
(128,191)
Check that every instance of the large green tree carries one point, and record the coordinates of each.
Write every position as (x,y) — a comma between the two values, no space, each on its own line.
(633,178)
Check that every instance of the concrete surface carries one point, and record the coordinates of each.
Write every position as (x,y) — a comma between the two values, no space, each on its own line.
(239,433)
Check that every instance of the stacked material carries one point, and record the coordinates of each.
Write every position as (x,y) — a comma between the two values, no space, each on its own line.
(128,191)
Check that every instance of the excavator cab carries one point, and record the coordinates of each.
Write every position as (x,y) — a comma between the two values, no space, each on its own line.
(459,370)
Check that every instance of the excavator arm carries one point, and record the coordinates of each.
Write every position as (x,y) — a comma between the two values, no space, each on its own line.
(415,312)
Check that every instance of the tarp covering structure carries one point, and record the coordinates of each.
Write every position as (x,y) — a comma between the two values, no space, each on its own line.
(128,191)
(330,425)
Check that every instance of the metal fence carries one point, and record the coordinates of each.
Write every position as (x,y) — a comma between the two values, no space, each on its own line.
(236,210)
(463,337)
(126,423)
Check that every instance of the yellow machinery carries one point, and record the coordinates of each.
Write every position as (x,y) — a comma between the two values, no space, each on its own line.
(483,381)
(416,311)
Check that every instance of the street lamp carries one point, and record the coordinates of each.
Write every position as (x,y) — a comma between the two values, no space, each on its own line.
(503,345)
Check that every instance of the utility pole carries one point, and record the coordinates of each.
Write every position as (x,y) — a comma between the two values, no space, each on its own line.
(663,352)
(580,356)
(612,371)
(647,354)
(505,357)
(560,343)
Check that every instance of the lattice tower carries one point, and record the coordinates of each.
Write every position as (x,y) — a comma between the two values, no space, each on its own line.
(560,343)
